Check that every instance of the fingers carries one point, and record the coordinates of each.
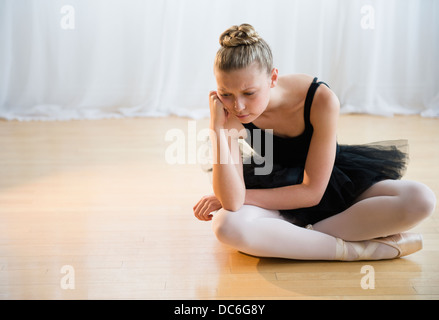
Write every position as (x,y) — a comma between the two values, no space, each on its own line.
(197,210)
(201,211)
(213,97)
(204,208)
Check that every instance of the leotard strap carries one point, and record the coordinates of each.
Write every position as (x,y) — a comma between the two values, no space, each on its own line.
(309,98)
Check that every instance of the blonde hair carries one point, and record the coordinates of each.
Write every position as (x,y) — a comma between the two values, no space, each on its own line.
(240,47)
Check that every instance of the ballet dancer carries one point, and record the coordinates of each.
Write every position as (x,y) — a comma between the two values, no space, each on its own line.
(320,200)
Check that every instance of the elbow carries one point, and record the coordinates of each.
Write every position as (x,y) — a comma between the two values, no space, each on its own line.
(316,196)
(232,205)
(232,200)
(315,200)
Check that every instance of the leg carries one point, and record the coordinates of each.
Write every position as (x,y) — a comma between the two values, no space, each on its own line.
(388,207)
(264,233)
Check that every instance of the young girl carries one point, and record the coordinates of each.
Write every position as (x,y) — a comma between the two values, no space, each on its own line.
(321,200)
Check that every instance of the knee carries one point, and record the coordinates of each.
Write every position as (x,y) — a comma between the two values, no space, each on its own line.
(419,202)
(226,227)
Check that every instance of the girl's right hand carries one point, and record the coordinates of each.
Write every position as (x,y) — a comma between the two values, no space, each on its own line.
(218,113)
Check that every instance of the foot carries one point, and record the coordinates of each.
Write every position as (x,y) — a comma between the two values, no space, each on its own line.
(394,246)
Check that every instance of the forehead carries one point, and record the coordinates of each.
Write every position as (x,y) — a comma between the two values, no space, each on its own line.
(240,79)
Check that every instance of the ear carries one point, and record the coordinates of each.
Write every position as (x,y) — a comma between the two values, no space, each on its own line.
(274,77)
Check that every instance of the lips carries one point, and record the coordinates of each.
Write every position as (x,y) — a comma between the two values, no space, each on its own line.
(242,116)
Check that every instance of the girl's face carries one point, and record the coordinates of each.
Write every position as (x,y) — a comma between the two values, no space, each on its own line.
(245,93)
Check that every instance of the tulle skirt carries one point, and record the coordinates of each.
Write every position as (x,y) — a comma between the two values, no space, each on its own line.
(356,168)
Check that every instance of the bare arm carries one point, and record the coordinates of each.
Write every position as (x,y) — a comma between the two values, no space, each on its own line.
(228,181)
(319,163)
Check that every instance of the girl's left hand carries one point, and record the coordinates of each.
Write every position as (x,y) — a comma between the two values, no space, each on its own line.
(204,208)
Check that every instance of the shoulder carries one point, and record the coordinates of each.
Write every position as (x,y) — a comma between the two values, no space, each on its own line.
(325,106)
(291,90)
(296,86)
(325,100)
(295,82)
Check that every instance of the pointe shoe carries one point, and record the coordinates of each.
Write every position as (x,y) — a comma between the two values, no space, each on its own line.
(405,243)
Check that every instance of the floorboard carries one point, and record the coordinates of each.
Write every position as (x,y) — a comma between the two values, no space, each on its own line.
(102,198)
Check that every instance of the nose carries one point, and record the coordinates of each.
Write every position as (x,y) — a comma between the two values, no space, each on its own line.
(239,106)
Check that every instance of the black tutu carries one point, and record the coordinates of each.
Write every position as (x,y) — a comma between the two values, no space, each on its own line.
(356,168)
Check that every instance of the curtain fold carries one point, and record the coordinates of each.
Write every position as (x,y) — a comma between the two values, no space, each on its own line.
(94,59)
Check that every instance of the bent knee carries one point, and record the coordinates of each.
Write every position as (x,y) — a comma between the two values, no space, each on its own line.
(419,201)
(234,227)
(226,227)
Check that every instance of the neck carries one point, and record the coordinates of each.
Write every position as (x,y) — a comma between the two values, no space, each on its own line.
(274,103)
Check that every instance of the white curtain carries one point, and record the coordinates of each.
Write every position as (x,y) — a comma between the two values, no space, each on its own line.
(93,59)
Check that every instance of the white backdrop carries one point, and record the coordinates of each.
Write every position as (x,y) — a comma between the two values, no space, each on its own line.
(90,59)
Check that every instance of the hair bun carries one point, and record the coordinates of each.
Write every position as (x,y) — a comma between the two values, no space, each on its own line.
(242,35)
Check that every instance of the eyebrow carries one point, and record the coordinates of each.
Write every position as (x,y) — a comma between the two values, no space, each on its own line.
(247,89)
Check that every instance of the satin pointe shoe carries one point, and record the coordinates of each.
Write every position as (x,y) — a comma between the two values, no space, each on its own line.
(405,243)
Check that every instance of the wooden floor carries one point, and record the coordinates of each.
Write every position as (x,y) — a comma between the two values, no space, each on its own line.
(95,210)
